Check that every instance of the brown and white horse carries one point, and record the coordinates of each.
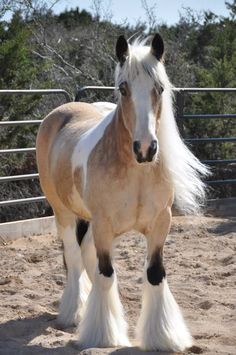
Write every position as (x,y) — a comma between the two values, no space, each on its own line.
(105,174)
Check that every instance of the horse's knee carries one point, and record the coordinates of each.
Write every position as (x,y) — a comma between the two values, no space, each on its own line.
(156,271)
(104,265)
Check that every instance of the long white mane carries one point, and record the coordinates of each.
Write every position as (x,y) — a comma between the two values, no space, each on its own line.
(181,167)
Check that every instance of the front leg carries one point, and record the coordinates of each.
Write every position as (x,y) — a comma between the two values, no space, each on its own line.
(161,325)
(103,323)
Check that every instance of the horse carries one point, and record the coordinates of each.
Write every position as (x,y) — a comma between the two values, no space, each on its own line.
(107,169)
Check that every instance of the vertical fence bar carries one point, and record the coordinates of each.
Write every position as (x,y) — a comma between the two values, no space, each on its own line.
(180,111)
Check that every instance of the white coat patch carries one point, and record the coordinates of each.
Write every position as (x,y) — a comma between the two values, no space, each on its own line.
(89,140)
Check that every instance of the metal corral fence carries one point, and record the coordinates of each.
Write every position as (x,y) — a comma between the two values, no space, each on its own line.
(40,92)
(180,118)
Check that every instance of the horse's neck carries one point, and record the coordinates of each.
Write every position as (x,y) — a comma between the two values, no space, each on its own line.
(122,137)
(110,144)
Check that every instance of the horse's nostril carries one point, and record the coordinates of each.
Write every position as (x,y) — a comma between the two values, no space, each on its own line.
(136,147)
(152,150)
(153,146)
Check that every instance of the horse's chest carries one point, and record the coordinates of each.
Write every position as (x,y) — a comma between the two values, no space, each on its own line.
(146,209)
(127,202)
(135,206)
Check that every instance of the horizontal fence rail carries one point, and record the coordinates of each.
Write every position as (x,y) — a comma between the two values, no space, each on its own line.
(19,177)
(180,117)
(219,161)
(210,140)
(215,116)
(222,182)
(21,201)
(38,92)
(19,123)
(81,91)
(17,150)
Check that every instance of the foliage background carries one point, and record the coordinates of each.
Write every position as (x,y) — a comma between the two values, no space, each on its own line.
(39,49)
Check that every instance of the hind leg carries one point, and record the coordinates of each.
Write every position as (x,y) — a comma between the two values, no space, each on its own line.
(161,325)
(73,295)
(88,252)
(89,258)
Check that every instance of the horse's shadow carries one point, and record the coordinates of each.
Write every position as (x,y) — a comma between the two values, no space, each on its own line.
(16,335)
(137,351)
(224,228)
(122,351)
(133,350)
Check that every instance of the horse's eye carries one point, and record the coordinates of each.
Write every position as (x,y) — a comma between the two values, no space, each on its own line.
(123,90)
(160,89)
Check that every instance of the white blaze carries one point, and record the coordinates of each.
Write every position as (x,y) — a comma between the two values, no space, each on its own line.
(145,125)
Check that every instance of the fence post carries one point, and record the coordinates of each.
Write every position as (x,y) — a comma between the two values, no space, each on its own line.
(180,112)
(79,94)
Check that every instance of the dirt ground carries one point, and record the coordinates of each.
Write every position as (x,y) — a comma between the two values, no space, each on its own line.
(200,264)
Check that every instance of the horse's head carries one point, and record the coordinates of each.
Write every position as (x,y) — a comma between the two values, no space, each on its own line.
(138,80)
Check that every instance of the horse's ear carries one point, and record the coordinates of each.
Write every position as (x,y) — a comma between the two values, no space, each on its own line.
(157,46)
(122,49)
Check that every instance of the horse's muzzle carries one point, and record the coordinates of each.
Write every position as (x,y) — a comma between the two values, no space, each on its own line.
(149,154)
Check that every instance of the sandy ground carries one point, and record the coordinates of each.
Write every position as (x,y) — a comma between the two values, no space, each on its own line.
(200,263)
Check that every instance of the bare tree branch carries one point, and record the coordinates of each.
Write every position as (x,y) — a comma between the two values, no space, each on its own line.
(150,12)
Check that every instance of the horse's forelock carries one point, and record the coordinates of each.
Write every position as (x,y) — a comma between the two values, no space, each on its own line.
(140,62)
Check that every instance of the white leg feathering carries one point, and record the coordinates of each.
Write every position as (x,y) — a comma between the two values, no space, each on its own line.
(161,325)
(103,323)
